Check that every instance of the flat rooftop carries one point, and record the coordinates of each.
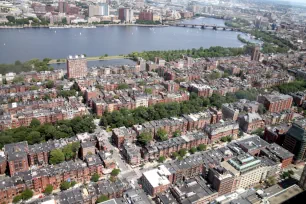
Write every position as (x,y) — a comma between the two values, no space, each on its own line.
(157,177)
(285,194)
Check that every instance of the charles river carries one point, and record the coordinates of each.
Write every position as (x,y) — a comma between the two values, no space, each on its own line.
(29,43)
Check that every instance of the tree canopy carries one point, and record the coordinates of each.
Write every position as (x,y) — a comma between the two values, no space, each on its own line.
(95,177)
(115,172)
(144,138)
(56,156)
(27,194)
(162,134)
(48,190)
(38,133)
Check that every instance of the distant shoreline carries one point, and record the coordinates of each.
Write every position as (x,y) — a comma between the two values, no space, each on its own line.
(82,26)
(97,58)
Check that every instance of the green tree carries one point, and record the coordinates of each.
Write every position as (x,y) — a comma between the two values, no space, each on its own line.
(95,177)
(161,159)
(56,156)
(18,79)
(102,198)
(106,55)
(175,155)
(27,194)
(271,181)
(259,132)
(34,137)
(201,147)
(64,21)
(65,185)
(48,190)
(193,150)
(123,86)
(35,122)
(17,198)
(223,139)
(50,84)
(240,134)
(176,133)
(182,152)
(162,134)
(73,183)
(144,138)
(148,91)
(115,172)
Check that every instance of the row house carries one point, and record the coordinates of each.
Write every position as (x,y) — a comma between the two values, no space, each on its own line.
(201,90)
(29,95)
(78,171)
(13,108)
(279,117)
(131,153)
(123,134)
(222,129)
(166,148)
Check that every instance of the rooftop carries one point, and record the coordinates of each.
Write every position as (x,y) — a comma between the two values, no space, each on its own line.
(157,177)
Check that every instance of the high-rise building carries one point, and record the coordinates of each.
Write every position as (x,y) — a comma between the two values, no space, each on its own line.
(63,7)
(302,182)
(255,53)
(146,16)
(102,9)
(76,66)
(295,139)
(221,180)
(126,15)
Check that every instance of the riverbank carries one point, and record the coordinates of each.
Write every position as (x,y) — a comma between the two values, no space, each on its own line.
(97,58)
(81,26)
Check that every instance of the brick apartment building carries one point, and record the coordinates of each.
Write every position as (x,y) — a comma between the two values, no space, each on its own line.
(166,148)
(146,15)
(222,129)
(123,134)
(276,103)
(76,67)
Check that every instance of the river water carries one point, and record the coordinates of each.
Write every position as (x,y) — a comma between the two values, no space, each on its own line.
(26,44)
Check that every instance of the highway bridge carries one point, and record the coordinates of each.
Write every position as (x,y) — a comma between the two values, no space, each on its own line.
(203,26)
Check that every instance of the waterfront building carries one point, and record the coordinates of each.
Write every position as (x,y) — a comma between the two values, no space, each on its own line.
(76,66)
(146,15)
(102,9)
(126,15)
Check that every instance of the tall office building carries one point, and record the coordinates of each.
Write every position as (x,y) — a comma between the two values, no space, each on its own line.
(76,67)
(63,7)
(255,53)
(295,139)
(126,15)
(102,9)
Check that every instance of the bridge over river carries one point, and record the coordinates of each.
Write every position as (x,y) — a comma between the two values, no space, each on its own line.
(203,26)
